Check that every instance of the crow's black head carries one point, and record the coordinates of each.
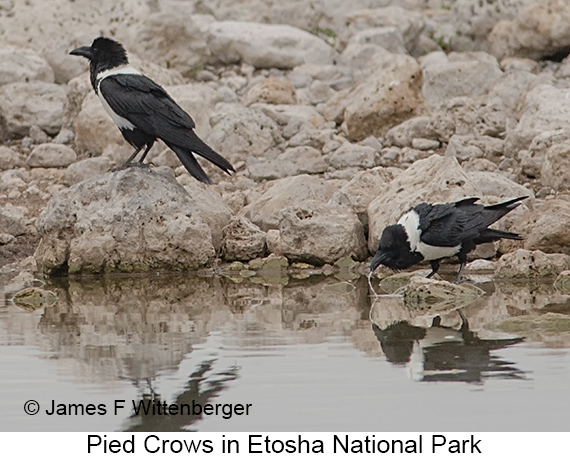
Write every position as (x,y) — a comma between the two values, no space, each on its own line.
(103,54)
(103,51)
(394,250)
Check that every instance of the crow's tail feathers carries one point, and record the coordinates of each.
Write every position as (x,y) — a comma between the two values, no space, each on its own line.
(488,235)
(202,149)
(493,213)
(191,164)
(506,206)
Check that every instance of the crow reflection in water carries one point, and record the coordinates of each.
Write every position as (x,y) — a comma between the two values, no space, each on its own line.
(440,353)
(198,388)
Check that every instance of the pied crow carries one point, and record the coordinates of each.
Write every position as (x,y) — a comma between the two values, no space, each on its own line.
(434,232)
(142,109)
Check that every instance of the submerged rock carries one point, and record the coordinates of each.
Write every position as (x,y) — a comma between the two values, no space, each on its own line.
(392,283)
(546,325)
(562,282)
(434,295)
(130,220)
(33,298)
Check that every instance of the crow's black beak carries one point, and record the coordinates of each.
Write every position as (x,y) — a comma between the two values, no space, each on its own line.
(378,259)
(84,51)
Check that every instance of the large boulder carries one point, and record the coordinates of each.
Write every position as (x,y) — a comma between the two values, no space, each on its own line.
(266,45)
(304,14)
(555,169)
(209,204)
(469,74)
(547,227)
(20,64)
(265,210)
(538,31)
(545,108)
(384,100)
(473,21)
(526,264)
(318,233)
(410,23)
(13,219)
(364,187)
(23,105)
(131,220)
(173,39)
(242,240)
(51,155)
(239,132)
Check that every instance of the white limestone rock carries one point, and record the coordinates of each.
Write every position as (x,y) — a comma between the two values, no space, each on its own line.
(540,29)
(86,169)
(466,74)
(23,65)
(266,45)
(13,219)
(35,103)
(317,233)
(264,211)
(384,100)
(242,240)
(149,223)
(51,155)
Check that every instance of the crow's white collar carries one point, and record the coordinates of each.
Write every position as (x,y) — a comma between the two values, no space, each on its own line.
(121,70)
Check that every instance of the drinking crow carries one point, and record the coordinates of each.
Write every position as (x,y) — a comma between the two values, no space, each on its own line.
(434,232)
(143,110)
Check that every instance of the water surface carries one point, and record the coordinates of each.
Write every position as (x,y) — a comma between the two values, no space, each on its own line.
(314,354)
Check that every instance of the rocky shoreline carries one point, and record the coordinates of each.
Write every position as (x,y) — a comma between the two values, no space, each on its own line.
(336,119)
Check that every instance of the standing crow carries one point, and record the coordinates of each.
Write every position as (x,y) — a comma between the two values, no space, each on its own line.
(143,110)
(434,232)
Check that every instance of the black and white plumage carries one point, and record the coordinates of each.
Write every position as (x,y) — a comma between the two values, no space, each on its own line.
(434,232)
(142,109)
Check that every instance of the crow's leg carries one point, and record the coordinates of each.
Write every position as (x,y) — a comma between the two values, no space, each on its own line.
(148,146)
(434,267)
(131,158)
(128,161)
(463,260)
(464,323)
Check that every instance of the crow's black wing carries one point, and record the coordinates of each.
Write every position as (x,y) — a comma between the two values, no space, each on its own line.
(454,223)
(449,224)
(147,106)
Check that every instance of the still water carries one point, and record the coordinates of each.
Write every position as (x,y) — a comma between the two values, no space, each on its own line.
(313,354)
